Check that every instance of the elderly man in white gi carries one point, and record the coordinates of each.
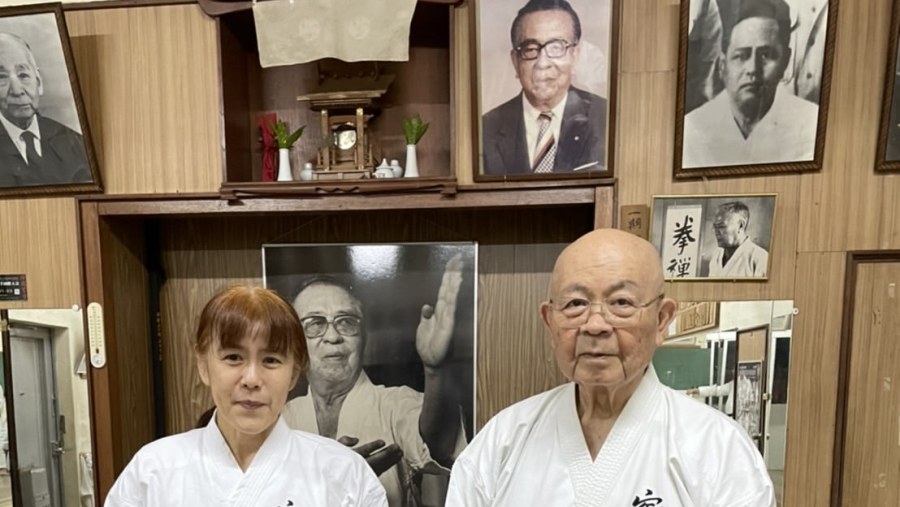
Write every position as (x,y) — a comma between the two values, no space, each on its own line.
(250,351)
(614,435)
(736,255)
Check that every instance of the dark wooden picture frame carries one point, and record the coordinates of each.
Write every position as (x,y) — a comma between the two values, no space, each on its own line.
(888,157)
(49,105)
(689,254)
(499,111)
(803,82)
(386,286)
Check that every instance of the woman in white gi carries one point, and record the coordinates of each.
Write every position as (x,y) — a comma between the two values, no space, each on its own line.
(250,351)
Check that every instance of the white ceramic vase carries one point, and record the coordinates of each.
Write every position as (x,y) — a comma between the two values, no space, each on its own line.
(284,165)
(412,166)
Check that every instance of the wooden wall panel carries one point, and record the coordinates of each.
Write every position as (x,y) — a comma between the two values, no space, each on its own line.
(38,237)
(870,471)
(847,206)
(812,384)
(641,52)
(150,82)
(126,312)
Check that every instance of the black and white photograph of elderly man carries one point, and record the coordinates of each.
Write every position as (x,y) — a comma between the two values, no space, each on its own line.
(391,335)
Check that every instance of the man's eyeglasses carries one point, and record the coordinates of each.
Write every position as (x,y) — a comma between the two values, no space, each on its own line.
(317,325)
(554,48)
(617,311)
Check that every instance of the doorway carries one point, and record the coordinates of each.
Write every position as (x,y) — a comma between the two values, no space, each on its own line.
(37,425)
(867,451)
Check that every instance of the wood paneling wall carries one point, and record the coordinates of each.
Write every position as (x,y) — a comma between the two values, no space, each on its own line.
(39,237)
(150,83)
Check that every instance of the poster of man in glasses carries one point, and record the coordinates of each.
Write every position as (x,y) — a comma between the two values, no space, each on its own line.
(390,330)
(544,72)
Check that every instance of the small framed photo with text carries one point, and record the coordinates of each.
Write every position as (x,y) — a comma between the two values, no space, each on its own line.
(45,142)
(703,237)
(753,86)
(546,82)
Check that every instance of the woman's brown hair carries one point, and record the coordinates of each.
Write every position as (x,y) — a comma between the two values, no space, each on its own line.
(243,310)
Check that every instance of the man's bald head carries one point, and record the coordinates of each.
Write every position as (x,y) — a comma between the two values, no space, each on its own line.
(635,257)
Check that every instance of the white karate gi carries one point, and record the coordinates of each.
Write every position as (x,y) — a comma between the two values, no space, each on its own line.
(787,133)
(373,412)
(664,450)
(748,260)
(291,468)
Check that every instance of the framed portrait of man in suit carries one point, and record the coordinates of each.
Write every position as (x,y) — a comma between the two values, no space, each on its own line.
(45,142)
(546,83)
(753,86)
(888,158)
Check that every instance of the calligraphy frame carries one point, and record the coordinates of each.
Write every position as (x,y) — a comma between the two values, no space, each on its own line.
(750,263)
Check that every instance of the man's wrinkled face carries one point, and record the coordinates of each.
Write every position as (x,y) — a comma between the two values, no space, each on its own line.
(335,357)
(20,84)
(545,80)
(729,229)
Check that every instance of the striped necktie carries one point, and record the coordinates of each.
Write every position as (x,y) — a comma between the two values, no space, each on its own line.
(545,147)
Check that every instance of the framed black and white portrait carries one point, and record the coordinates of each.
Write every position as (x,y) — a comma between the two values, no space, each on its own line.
(753,86)
(546,88)
(704,237)
(45,142)
(888,157)
(390,330)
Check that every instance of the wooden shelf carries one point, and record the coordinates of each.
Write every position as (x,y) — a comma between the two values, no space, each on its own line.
(212,204)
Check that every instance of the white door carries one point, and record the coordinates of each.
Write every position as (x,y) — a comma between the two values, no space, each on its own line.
(37,434)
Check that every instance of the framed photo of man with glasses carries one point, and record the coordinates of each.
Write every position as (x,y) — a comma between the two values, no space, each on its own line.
(390,330)
(546,88)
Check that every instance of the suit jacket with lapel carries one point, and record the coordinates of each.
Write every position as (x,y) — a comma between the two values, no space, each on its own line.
(582,136)
(63,158)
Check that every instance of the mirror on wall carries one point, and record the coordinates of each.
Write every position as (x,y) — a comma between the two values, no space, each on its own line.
(47,461)
(734,356)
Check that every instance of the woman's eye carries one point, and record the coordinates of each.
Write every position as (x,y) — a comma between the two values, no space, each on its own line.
(231,358)
(272,360)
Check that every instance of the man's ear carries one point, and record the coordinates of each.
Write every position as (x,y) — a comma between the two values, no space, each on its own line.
(37,73)
(547,317)
(666,315)
(513,57)
(202,367)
